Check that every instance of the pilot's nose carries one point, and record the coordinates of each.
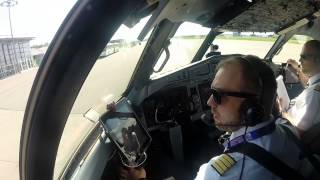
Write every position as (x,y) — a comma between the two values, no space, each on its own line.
(211,102)
(301,60)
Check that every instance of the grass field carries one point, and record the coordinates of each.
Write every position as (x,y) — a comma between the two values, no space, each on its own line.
(294,39)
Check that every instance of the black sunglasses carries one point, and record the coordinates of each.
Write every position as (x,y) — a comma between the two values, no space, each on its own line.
(217,95)
(306,56)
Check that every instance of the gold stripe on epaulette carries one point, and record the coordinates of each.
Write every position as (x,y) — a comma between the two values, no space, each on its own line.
(223,163)
(229,158)
(217,168)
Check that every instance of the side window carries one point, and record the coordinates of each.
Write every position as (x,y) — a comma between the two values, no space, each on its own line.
(107,80)
(292,49)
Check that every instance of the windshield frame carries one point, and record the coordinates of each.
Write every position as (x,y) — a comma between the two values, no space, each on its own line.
(155,44)
(58,81)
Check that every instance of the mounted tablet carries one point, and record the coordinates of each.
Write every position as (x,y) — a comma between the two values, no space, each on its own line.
(125,130)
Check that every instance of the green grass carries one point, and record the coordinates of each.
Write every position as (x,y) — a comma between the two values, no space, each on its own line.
(247,38)
(243,38)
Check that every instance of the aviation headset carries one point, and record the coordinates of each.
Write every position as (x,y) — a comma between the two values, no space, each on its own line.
(251,109)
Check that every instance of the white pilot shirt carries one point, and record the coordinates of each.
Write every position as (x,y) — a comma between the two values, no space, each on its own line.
(277,142)
(305,110)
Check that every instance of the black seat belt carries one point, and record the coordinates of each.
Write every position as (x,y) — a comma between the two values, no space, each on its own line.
(303,148)
(267,160)
(176,140)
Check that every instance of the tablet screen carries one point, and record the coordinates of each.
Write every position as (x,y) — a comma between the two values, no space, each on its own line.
(128,134)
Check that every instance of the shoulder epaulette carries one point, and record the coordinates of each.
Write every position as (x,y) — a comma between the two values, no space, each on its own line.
(317,88)
(223,163)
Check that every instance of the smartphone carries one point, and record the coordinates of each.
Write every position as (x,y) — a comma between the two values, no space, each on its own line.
(290,75)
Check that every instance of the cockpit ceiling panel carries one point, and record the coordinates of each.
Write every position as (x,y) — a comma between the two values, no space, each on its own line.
(269,16)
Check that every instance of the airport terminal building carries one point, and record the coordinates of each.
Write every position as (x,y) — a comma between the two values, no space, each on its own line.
(15,55)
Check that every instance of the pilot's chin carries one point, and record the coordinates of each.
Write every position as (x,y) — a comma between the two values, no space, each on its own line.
(227,128)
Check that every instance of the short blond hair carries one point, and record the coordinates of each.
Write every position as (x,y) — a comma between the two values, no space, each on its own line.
(259,77)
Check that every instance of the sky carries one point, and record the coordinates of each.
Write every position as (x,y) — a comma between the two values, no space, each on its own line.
(41,19)
(34,18)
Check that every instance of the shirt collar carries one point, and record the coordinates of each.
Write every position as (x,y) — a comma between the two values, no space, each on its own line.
(313,79)
(242,130)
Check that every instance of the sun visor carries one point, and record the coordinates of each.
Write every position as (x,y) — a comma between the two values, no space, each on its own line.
(197,11)
(142,9)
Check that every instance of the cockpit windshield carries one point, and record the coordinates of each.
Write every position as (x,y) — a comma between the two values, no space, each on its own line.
(189,37)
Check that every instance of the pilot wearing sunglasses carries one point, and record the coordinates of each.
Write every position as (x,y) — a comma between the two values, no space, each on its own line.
(304,113)
(242,96)
(241,101)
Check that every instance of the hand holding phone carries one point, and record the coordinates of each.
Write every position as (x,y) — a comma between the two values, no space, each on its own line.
(293,65)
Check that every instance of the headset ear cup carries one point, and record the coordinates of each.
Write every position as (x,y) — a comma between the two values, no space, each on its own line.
(251,112)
